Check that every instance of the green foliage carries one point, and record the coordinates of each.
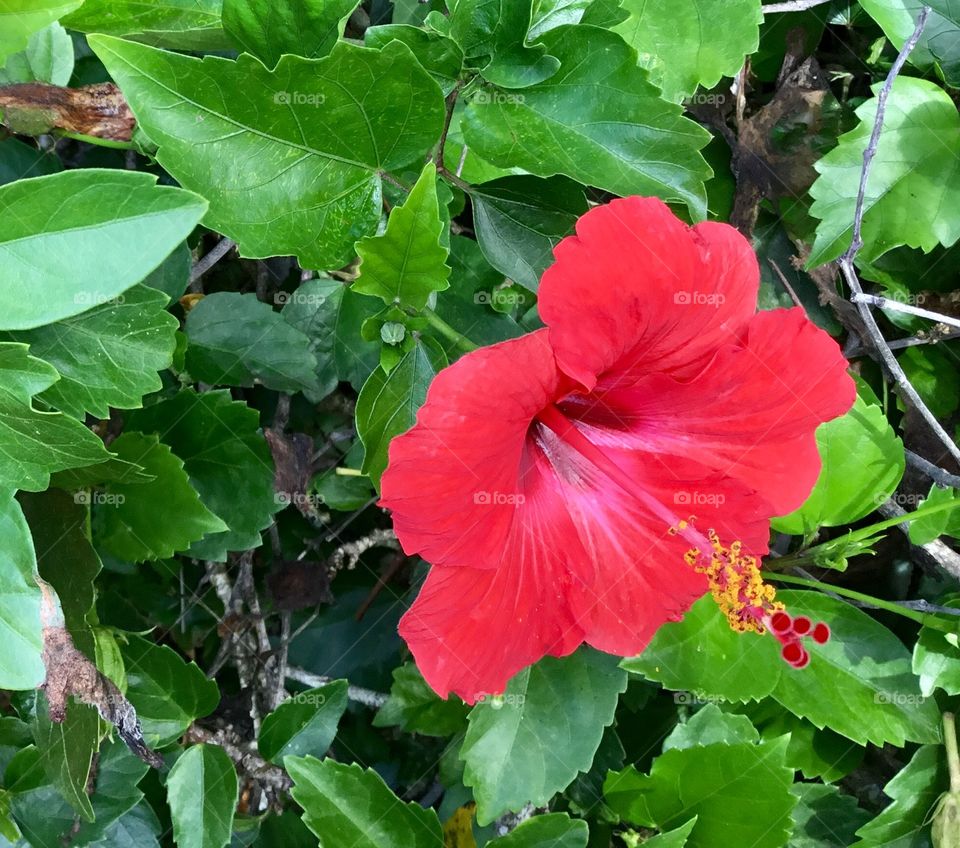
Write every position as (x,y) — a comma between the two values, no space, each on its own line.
(305,724)
(202,791)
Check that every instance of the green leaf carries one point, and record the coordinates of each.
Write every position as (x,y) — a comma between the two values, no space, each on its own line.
(176,24)
(914,791)
(926,528)
(298,185)
(553,830)
(111,469)
(914,173)
(519,221)
(84,236)
(21,666)
(936,661)
(709,726)
(19,19)
(823,818)
(388,403)
(863,462)
(107,356)
(137,521)
(172,276)
(237,340)
(202,791)
(34,444)
(438,54)
(330,315)
(700,781)
(18,161)
(684,44)
(407,263)
(305,723)
(48,57)
(347,806)
(67,749)
(859,684)
(304,28)
(934,375)
(227,460)
(939,44)
(118,772)
(676,838)
(415,708)
(167,692)
(598,120)
(137,828)
(550,14)
(521,748)
(495,32)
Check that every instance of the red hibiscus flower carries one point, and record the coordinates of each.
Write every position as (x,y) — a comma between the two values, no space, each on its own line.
(589,481)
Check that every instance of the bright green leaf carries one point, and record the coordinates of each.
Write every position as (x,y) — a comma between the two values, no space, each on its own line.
(915,171)
(48,57)
(20,663)
(138,521)
(347,806)
(202,791)
(553,830)
(304,724)
(107,356)
(19,19)
(598,120)
(709,726)
(407,263)
(280,177)
(77,239)
(927,528)
(438,54)
(307,28)
(520,747)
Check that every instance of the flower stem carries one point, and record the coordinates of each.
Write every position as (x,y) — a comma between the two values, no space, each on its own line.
(953,758)
(931,621)
(100,142)
(447,331)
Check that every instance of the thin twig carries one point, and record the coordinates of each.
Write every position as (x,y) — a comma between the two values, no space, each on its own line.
(846,262)
(897,306)
(367,697)
(450,103)
(248,762)
(216,253)
(938,551)
(939,475)
(785,283)
(931,337)
(792,6)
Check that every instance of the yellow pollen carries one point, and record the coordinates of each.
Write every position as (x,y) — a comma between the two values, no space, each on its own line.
(735,584)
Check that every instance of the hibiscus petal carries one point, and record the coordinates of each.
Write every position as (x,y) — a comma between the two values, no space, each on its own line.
(452,479)
(639,290)
(750,414)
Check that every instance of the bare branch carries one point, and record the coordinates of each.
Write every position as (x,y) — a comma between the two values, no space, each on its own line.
(939,475)
(367,697)
(897,306)
(792,6)
(217,252)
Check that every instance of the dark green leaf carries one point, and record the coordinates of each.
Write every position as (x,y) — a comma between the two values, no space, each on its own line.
(554,830)
(304,724)
(202,793)
(414,707)
(438,54)
(823,818)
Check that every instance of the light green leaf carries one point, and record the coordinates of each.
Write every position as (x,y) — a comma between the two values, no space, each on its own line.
(863,462)
(107,356)
(936,660)
(306,723)
(934,375)
(519,221)
(521,748)
(495,33)
(237,340)
(823,818)
(137,521)
(21,666)
(407,263)
(414,707)
(914,790)
(553,830)
(293,166)
(227,460)
(48,57)
(202,791)
(347,806)
(167,692)
(66,751)
(709,726)
(939,44)
(927,528)
(32,443)
(700,781)
(77,239)
(438,54)
(915,171)
(388,403)
(684,44)
(676,838)
(550,14)
(598,120)
(19,19)
(307,28)
(175,24)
